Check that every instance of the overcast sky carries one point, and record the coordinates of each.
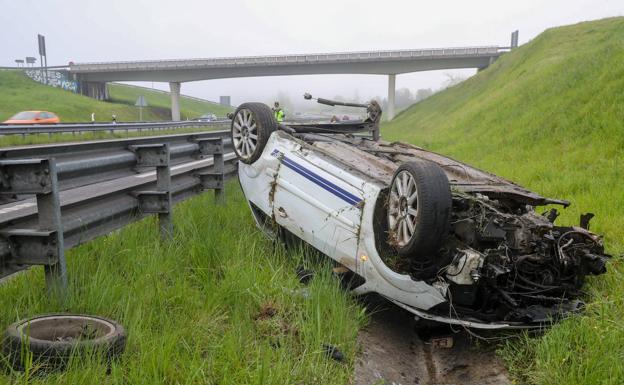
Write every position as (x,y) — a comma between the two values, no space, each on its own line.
(109,30)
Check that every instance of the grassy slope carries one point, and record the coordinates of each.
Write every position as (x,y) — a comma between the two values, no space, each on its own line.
(189,108)
(194,309)
(19,93)
(550,116)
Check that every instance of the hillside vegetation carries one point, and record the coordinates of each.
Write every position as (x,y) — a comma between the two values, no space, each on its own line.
(189,108)
(20,93)
(550,116)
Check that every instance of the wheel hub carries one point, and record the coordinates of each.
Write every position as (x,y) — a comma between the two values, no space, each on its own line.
(403,206)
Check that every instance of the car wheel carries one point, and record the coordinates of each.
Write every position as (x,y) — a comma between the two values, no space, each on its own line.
(252,124)
(53,339)
(419,209)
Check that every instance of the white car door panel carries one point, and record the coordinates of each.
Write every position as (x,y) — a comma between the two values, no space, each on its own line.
(317,207)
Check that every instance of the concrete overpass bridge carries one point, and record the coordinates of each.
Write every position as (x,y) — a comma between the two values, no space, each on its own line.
(93,76)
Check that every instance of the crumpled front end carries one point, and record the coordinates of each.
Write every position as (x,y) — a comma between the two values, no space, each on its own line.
(507,263)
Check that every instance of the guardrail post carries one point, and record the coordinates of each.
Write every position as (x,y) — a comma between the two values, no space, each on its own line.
(213,180)
(49,211)
(158,201)
(219,168)
(44,246)
(163,183)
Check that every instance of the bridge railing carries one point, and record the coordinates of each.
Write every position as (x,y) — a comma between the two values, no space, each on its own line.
(289,59)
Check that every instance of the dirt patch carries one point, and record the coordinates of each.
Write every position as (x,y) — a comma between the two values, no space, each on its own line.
(268,310)
(274,324)
(393,353)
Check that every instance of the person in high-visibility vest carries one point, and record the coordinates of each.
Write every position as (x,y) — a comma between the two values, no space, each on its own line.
(279,113)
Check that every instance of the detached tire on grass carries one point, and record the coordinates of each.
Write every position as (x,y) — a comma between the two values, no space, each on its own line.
(252,124)
(53,339)
(419,212)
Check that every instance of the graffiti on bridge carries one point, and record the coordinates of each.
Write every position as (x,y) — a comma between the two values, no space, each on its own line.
(57,79)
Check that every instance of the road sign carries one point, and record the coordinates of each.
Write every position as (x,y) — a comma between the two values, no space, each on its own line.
(514,39)
(141,102)
(42,49)
(42,57)
(224,100)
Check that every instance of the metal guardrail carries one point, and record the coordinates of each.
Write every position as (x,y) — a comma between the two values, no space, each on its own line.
(23,129)
(83,163)
(37,230)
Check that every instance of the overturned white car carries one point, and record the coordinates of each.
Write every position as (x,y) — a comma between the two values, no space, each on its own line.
(444,240)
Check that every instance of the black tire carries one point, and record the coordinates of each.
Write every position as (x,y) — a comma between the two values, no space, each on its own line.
(54,338)
(265,124)
(291,242)
(433,210)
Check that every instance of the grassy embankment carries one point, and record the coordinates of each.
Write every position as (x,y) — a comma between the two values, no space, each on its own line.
(19,93)
(159,101)
(218,305)
(550,116)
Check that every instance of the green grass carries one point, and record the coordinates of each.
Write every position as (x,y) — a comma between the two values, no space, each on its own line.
(550,116)
(191,307)
(19,93)
(189,108)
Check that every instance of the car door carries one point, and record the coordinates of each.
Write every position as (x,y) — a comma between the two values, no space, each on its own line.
(42,117)
(318,201)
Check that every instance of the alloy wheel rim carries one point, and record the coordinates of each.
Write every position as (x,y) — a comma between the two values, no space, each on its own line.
(245,133)
(402,208)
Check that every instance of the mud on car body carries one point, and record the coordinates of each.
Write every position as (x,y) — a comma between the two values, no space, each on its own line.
(444,240)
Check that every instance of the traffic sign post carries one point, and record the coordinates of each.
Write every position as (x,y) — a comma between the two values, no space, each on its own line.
(42,56)
(141,102)
(514,39)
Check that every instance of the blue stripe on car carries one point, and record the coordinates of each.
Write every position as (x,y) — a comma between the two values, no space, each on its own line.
(318,180)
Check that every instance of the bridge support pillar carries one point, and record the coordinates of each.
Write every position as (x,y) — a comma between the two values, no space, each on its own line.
(175,100)
(391,93)
(491,61)
(95,90)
